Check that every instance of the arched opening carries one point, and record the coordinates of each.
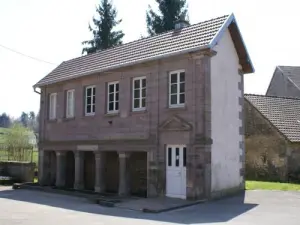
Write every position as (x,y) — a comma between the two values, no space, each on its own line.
(112,172)
(70,169)
(89,171)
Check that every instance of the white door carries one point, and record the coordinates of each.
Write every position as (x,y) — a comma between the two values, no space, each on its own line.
(176,171)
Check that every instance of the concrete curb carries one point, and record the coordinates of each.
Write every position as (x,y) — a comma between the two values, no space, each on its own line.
(145,210)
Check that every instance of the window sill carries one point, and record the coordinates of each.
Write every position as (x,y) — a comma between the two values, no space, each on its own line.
(52,120)
(111,114)
(68,118)
(89,115)
(142,111)
(177,108)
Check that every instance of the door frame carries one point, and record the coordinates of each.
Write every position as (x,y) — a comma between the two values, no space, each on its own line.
(181,167)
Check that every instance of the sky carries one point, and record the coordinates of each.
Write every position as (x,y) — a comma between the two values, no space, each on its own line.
(52,31)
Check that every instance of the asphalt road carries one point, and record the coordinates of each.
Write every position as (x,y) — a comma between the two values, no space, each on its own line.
(23,207)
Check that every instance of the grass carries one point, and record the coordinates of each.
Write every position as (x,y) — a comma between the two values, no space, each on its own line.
(261,185)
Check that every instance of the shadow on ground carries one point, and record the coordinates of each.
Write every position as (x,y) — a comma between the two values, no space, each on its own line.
(210,212)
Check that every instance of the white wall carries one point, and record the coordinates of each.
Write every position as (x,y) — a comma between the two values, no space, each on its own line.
(225,170)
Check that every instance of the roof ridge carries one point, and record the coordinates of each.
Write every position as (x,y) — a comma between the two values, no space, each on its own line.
(148,37)
(273,96)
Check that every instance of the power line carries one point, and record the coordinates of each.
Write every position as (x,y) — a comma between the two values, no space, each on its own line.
(28,56)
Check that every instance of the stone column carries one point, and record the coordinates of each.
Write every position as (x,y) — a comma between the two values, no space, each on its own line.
(99,172)
(79,170)
(42,168)
(60,169)
(124,186)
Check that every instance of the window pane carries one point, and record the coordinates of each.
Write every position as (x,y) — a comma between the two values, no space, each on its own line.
(173,99)
(111,106)
(136,103)
(182,87)
(136,84)
(173,88)
(88,92)
(173,78)
(182,98)
(117,97)
(143,103)
(117,87)
(88,109)
(117,106)
(111,88)
(177,157)
(88,100)
(184,156)
(94,99)
(93,109)
(144,92)
(111,97)
(94,91)
(144,83)
(169,156)
(136,93)
(182,77)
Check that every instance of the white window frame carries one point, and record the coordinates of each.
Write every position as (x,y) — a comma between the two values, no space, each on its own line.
(178,104)
(52,106)
(140,90)
(92,104)
(114,100)
(70,106)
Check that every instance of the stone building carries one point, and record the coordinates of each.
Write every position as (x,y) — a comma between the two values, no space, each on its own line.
(272,138)
(161,115)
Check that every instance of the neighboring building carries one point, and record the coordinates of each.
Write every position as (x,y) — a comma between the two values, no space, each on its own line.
(158,116)
(285,82)
(272,138)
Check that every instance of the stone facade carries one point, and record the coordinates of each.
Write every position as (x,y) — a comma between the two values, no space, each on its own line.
(269,155)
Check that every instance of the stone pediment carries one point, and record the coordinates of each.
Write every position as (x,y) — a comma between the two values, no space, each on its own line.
(175,123)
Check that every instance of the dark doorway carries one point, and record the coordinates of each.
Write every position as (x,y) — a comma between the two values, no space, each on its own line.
(89,171)
(70,169)
(52,168)
(112,172)
(138,173)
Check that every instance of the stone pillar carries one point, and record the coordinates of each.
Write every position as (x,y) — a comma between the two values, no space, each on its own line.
(124,186)
(79,170)
(60,169)
(42,168)
(99,172)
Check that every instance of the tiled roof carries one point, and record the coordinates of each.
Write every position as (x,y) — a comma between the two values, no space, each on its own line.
(292,72)
(192,38)
(282,112)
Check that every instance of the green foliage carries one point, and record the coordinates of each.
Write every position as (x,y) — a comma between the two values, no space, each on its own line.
(259,185)
(104,35)
(170,11)
(17,137)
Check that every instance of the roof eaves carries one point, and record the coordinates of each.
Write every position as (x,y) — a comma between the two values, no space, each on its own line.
(41,84)
(217,37)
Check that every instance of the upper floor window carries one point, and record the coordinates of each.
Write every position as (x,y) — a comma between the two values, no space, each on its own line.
(139,94)
(70,104)
(113,97)
(52,106)
(90,100)
(177,88)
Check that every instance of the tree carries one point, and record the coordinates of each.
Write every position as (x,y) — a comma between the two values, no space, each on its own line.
(104,35)
(5,120)
(24,119)
(170,11)
(17,142)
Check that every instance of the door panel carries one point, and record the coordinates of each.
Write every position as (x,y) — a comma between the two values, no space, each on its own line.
(176,171)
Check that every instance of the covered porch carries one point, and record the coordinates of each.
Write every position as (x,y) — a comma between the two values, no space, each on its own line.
(122,173)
